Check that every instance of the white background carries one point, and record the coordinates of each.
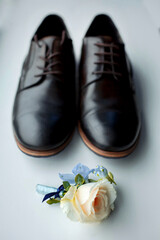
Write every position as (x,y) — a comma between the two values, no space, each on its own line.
(137,209)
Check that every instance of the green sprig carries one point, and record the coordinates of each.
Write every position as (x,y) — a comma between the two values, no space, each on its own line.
(91,180)
(52,200)
(110,178)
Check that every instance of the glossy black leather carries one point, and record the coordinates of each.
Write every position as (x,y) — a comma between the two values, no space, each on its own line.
(108,114)
(44,107)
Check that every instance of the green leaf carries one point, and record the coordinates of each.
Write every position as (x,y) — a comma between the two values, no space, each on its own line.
(52,200)
(91,180)
(79,179)
(66,185)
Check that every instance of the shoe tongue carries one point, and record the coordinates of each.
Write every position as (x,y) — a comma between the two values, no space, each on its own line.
(107,39)
(52,42)
(104,39)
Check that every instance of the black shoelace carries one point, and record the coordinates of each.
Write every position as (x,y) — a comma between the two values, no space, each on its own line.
(112,59)
(49,59)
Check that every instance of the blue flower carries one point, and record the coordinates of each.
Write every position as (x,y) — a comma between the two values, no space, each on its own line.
(67,177)
(100,172)
(78,169)
(82,170)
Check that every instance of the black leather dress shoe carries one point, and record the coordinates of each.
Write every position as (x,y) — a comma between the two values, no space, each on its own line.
(109,121)
(44,107)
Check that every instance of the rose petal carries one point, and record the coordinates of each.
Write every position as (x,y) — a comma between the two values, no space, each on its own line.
(68,204)
(70,194)
(105,185)
(69,209)
(87,206)
(112,193)
(83,192)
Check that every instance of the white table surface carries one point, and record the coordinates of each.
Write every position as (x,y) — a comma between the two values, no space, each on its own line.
(137,209)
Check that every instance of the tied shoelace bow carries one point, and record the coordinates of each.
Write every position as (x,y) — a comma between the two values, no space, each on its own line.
(48,57)
(111,59)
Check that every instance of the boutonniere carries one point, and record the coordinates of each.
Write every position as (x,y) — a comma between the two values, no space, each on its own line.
(85,195)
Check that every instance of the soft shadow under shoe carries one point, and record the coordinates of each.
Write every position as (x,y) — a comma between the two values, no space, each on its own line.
(109,121)
(44,107)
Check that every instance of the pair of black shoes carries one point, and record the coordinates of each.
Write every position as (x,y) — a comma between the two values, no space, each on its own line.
(44,114)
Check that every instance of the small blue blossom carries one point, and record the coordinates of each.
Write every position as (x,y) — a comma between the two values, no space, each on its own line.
(82,170)
(67,177)
(78,169)
(100,172)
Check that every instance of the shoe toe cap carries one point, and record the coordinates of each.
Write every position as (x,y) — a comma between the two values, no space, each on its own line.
(111,130)
(41,132)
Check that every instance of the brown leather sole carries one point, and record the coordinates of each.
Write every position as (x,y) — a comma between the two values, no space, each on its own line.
(47,153)
(102,152)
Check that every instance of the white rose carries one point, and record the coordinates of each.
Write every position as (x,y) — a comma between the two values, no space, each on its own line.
(91,202)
